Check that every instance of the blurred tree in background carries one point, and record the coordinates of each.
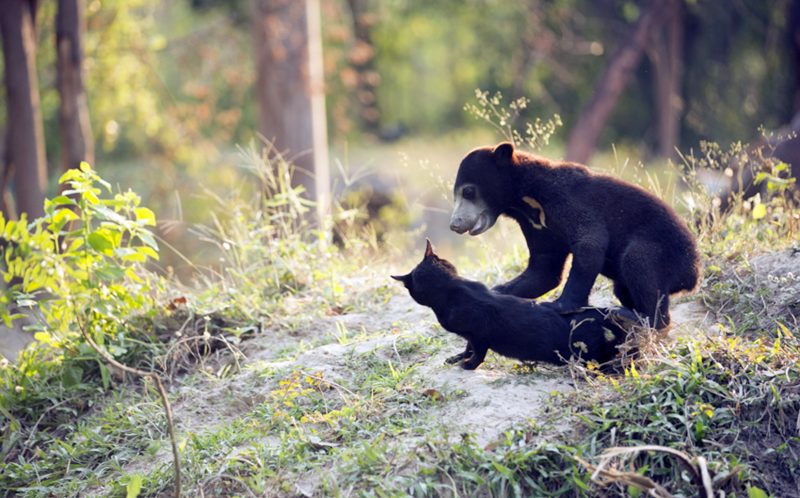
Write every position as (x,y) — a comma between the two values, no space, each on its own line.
(169,88)
(23,162)
(76,133)
(290,89)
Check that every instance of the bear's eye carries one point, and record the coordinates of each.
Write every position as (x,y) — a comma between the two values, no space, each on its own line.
(468,193)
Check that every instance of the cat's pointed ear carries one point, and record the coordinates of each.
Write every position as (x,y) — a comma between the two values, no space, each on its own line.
(402,278)
(428,248)
(504,150)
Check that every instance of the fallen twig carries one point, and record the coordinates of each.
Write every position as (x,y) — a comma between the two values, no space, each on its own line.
(161,391)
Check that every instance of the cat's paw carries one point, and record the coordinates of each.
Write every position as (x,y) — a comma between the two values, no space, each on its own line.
(456,358)
(470,364)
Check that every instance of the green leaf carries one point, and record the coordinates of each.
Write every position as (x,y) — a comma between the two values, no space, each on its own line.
(131,274)
(75,245)
(105,375)
(148,251)
(502,469)
(70,175)
(634,492)
(72,376)
(109,273)
(9,229)
(148,239)
(145,216)
(116,351)
(64,215)
(129,254)
(134,486)
(91,197)
(759,211)
(43,337)
(110,215)
(754,492)
(62,200)
(100,242)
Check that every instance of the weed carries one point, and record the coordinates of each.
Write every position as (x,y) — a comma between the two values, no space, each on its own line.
(491,110)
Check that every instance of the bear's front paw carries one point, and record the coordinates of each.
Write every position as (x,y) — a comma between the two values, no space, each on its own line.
(470,364)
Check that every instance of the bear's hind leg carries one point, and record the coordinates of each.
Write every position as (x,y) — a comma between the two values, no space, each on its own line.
(639,275)
(649,300)
(624,295)
(662,313)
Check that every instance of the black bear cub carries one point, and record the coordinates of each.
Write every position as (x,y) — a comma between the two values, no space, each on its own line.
(609,226)
(511,326)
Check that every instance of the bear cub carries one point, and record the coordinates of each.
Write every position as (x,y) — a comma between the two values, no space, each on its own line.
(609,226)
(511,326)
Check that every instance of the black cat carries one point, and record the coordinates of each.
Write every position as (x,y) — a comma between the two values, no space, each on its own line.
(512,326)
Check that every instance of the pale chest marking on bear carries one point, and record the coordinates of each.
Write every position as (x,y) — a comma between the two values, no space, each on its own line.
(533,203)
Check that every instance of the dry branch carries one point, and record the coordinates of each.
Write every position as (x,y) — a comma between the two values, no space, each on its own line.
(162,393)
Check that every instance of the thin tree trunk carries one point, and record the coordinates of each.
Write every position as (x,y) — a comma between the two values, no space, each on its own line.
(26,134)
(6,200)
(362,59)
(583,138)
(73,113)
(793,15)
(667,59)
(289,86)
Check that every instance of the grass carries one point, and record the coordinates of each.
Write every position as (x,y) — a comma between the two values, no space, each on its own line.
(91,450)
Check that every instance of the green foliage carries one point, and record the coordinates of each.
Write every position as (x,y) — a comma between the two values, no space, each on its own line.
(63,463)
(74,271)
(708,397)
(438,53)
(768,217)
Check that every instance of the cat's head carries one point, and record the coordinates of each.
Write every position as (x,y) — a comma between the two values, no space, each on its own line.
(425,281)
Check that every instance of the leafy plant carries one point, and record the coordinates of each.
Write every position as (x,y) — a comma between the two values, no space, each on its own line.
(75,273)
(77,269)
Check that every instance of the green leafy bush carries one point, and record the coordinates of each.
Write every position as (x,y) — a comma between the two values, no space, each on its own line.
(74,270)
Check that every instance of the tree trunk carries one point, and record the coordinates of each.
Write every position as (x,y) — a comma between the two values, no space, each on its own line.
(289,86)
(6,200)
(584,136)
(73,113)
(26,134)
(362,60)
(666,56)
(793,15)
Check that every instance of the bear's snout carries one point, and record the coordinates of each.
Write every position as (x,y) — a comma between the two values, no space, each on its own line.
(458,226)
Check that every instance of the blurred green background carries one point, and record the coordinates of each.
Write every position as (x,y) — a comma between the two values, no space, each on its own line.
(171,94)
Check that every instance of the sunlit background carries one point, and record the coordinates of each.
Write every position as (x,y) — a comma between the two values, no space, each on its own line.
(172,93)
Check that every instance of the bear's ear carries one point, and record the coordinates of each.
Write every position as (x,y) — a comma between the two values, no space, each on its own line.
(402,278)
(504,150)
(428,248)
